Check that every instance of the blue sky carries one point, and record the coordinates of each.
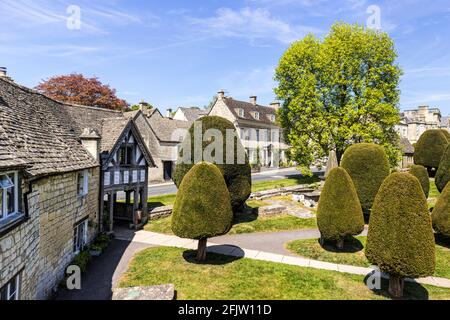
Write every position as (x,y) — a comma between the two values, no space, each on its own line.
(180,53)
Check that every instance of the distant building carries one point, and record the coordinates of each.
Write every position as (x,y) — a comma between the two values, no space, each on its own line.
(415,122)
(257,127)
(189,114)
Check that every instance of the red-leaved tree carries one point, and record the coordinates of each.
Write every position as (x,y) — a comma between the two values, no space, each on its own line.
(77,89)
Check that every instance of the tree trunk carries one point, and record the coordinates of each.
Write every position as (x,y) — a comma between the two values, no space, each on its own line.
(396,285)
(201,250)
(339,154)
(340,244)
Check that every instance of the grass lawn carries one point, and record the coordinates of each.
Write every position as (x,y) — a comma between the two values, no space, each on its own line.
(246,224)
(163,200)
(229,278)
(288,182)
(354,254)
(434,194)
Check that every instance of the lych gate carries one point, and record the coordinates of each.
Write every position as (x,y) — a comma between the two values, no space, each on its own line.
(124,185)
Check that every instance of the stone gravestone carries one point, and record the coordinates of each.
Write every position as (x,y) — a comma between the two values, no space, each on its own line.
(331,163)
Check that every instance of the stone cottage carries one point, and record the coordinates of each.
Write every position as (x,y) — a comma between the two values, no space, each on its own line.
(61,169)
(49,189)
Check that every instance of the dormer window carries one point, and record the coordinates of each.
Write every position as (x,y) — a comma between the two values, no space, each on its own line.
(272,117)
(241,113)
(257,115)
(9,194)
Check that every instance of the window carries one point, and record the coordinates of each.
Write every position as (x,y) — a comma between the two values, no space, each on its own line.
(83,182)
(257,115)
(257,135)
(126,155)
(9,196)
(241,113)
(11,290)
(272,117)
(80,236)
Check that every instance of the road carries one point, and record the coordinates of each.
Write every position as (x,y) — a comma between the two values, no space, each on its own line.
(170,188)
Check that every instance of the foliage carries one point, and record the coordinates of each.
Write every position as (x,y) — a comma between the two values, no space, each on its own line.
(421,173)
(202,207)
(441,213)
(82,260)
(368,166)
(237,176)
(443,173)
(77,89)
(339,91)
(339,212)
(400,240)
(430,148)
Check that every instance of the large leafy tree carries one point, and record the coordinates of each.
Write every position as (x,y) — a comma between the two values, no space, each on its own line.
(339,91)
(75,88)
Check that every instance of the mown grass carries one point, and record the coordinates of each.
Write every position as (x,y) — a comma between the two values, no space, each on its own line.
(247,223)
(434,194)
(353,253)
(228,278)
(288,182)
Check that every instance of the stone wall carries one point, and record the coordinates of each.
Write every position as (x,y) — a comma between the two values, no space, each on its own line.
(42,247)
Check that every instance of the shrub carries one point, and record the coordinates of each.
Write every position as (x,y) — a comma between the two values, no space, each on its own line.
(234,174)
(82,260)
(339,212)
(400,240)
(441,213)
(443,173)
(202,207)
(367,165)
(430,148)
(421,173)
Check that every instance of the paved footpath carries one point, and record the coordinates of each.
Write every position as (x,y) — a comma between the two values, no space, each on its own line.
(232,246)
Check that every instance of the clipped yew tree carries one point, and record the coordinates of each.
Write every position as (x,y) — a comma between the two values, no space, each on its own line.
(339,212)
(400,240)
(237,174)
(441,213)
(202,207)
(421,173)
(430,148)
(367,165)
(443,173)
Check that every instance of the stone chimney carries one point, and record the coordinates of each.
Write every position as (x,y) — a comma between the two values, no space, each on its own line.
(143,106)
(169,113)
(253,100)
(276,105)
(220,94)
(91,142)
(3,72)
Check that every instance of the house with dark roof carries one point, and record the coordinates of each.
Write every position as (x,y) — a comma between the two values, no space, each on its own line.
(61,169)
(257,127)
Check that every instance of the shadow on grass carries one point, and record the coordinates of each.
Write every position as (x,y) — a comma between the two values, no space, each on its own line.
(411,291)
(442,240)
(245,217)
(351,245)
(155,204)
(215,255)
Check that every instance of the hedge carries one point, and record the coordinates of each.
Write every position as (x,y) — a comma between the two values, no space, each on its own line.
(237,176)
(441,213)
(421,173)
(442,176)
(367,165)
(339,212)
(202,206)
(400,239)
(430,148)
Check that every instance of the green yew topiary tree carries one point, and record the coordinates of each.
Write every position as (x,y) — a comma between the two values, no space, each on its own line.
(400,240)
(202,206)
(237,175)
(443,173)
(367,165)
(430,148)
(421,173)
(441,213)
(339,213)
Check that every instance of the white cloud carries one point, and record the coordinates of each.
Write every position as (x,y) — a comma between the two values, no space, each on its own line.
(251,24)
